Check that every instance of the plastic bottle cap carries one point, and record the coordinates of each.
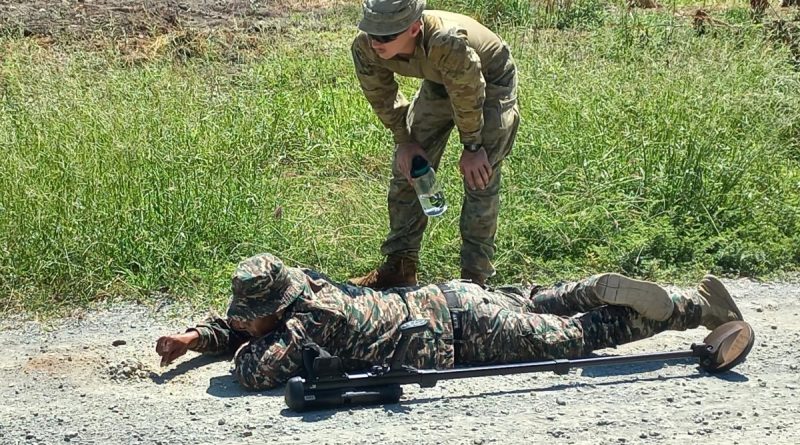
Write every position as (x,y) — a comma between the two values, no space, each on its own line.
(419,166)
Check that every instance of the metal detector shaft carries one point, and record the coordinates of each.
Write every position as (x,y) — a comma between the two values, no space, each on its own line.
(429,377)
(386,387)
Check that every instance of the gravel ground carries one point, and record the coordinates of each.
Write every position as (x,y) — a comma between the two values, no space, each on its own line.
(94,378)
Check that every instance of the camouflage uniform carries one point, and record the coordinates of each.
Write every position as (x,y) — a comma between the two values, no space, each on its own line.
(470,82)
(361,325)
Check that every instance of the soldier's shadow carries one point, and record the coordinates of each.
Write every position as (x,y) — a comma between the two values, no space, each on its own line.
(184,367)
(730,376)
(226,386)
(629,368)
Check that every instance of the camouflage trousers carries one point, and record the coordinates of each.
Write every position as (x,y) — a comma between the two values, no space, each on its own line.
(430,119)
(507,327)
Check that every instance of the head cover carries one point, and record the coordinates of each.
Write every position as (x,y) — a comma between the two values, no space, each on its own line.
(262,286)
(386,17)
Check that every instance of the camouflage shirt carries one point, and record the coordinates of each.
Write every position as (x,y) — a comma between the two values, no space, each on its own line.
(453,50)
(359,325)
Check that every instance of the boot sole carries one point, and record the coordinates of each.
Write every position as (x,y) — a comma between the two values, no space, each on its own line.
(646,298)
(719,295)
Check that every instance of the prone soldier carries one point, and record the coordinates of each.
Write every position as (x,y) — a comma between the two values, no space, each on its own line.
(276,310)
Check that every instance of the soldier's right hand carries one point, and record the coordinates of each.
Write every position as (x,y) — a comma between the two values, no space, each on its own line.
(170,347)
(403,156)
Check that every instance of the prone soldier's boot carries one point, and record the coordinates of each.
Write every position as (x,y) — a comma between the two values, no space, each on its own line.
(648,299)
(396,271)
(716,304)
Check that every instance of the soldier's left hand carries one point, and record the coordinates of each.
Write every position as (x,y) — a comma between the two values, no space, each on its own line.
(476,168)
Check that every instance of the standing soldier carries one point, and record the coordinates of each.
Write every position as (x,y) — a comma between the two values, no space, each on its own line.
(470,82)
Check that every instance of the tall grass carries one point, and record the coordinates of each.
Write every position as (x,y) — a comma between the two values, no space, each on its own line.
(643,149)
(559,14)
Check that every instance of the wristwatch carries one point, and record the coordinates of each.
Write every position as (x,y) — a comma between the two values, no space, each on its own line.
(472,148)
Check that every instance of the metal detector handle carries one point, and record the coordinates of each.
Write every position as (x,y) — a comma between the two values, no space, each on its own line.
(301,396)
(407,331)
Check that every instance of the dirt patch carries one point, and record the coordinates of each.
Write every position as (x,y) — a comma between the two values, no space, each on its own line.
(128,18)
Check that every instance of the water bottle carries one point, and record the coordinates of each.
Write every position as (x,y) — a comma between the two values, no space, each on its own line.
(430,195)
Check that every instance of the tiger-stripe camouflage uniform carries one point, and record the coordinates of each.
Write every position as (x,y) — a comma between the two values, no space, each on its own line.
(469,82)
(361,325)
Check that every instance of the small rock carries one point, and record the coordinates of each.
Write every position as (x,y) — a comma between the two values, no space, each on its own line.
(247,434)
(561,402)
(221,422)
(119,343)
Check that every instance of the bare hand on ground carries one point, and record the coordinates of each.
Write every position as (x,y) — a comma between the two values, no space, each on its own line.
(170,347)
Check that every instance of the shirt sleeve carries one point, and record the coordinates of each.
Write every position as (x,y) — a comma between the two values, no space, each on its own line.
(272,360)
(217,337)
(381,90)
(460,67)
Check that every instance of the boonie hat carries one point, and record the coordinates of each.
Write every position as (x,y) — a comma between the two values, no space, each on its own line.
(263,285)
(386,17)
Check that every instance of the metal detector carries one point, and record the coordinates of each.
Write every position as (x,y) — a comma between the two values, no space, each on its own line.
(328,386)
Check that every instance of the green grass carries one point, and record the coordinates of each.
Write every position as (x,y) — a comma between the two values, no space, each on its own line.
(644,148)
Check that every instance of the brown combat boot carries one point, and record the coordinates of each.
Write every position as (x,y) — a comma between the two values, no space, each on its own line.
(474,278)
(644,297)
(397,271)
(716,304)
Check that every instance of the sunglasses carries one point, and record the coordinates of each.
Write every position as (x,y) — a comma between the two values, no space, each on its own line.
(386,38)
